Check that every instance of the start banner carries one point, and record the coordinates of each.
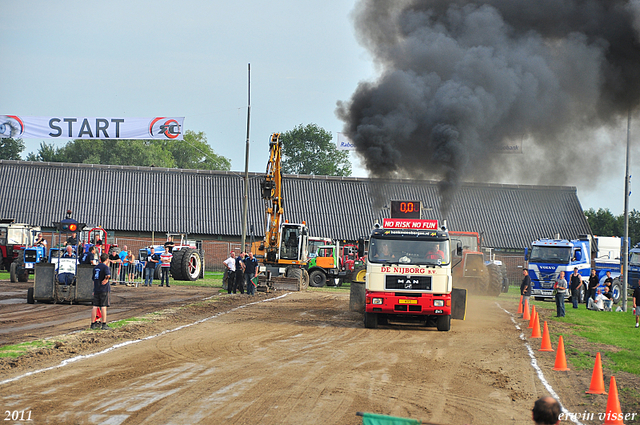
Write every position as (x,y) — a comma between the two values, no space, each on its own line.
(91,127)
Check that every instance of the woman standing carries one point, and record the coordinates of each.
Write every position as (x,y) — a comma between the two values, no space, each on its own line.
(561,288)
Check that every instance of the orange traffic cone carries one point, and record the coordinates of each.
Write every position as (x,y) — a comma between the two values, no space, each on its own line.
(597,382)
(536,328)
(561,360)
(520,306)
(533,317)
(546,339)
(614,412)
(525,313)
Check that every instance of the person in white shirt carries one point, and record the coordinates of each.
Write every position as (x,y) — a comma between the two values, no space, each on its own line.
(230,264)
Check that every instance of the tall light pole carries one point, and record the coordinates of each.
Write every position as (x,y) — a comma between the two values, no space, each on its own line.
(625,243)
(245,203)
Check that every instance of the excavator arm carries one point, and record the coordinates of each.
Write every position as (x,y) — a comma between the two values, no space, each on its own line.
(271,188)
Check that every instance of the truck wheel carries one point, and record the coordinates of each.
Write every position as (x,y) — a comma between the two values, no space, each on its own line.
(30,299)
(616,291)
(317,279)
(359,275)
(13,272)
(444,323)
(495,280)
(370,320)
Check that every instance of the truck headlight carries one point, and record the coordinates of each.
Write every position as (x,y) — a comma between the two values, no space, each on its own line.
(377,301)
(438,303)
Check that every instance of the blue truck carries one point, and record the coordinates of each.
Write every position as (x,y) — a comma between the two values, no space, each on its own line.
(548,257)
(634,267)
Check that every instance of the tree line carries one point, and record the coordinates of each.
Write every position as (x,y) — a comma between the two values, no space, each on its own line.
(306,150)
(604,223)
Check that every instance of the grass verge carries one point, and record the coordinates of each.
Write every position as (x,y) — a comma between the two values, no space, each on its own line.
(18,350)
(609,332)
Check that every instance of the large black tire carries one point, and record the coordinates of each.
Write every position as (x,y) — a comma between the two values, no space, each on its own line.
(202,267)
(444,323)
(616,291)
(317,279)
(481,283)
(359,274)
(13,272)
(186,264)
(157,272)
(296,273)
(495,280)
(30,299)
(370,320)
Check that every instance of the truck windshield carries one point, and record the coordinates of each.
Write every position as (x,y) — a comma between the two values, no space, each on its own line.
(550,254)
(403,251)
(635,258)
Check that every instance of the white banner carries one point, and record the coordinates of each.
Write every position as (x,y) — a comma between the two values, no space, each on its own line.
(344,144)
(91,127)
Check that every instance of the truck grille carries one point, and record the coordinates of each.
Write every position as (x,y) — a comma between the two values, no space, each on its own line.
(411,283)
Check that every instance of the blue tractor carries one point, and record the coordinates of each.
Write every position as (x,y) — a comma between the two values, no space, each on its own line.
(24,265)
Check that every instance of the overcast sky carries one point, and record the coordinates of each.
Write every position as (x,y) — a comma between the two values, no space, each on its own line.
(189,58)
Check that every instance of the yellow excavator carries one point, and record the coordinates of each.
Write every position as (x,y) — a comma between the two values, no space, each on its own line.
(283,251)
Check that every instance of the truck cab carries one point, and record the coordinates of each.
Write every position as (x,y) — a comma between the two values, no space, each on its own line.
(409,276)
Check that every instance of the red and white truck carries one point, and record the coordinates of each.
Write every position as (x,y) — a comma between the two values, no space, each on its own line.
(409,272)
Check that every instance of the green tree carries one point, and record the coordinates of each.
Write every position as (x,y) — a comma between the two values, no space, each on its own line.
(310,150)
(11,148)
(193,152)
(604,223)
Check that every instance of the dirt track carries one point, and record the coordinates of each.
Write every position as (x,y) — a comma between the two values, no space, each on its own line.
(300,359)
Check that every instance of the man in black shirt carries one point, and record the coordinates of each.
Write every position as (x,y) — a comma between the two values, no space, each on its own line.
(101,289)
(593,284)
(576,283)
(72,240)
(250,271)
(525,288)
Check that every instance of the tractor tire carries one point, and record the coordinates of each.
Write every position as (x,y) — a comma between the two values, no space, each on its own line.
(23,275)
(481,284)
(13,272)
(157,272)
(186,264)
(443,323)
(359,274)
(305,279)
(202,268)
(495,280)
(370,320)
(296,273)
(616,291)
(30,299)
(317,279)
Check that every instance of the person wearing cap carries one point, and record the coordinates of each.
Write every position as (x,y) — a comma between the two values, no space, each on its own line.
(230,264)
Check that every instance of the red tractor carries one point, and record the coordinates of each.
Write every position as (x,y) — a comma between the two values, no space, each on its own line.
(14,237)
(472,271)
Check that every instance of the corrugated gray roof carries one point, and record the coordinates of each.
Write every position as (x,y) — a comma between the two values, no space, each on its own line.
(143,199)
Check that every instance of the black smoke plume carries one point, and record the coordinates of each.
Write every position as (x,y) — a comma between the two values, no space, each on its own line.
(459,79)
